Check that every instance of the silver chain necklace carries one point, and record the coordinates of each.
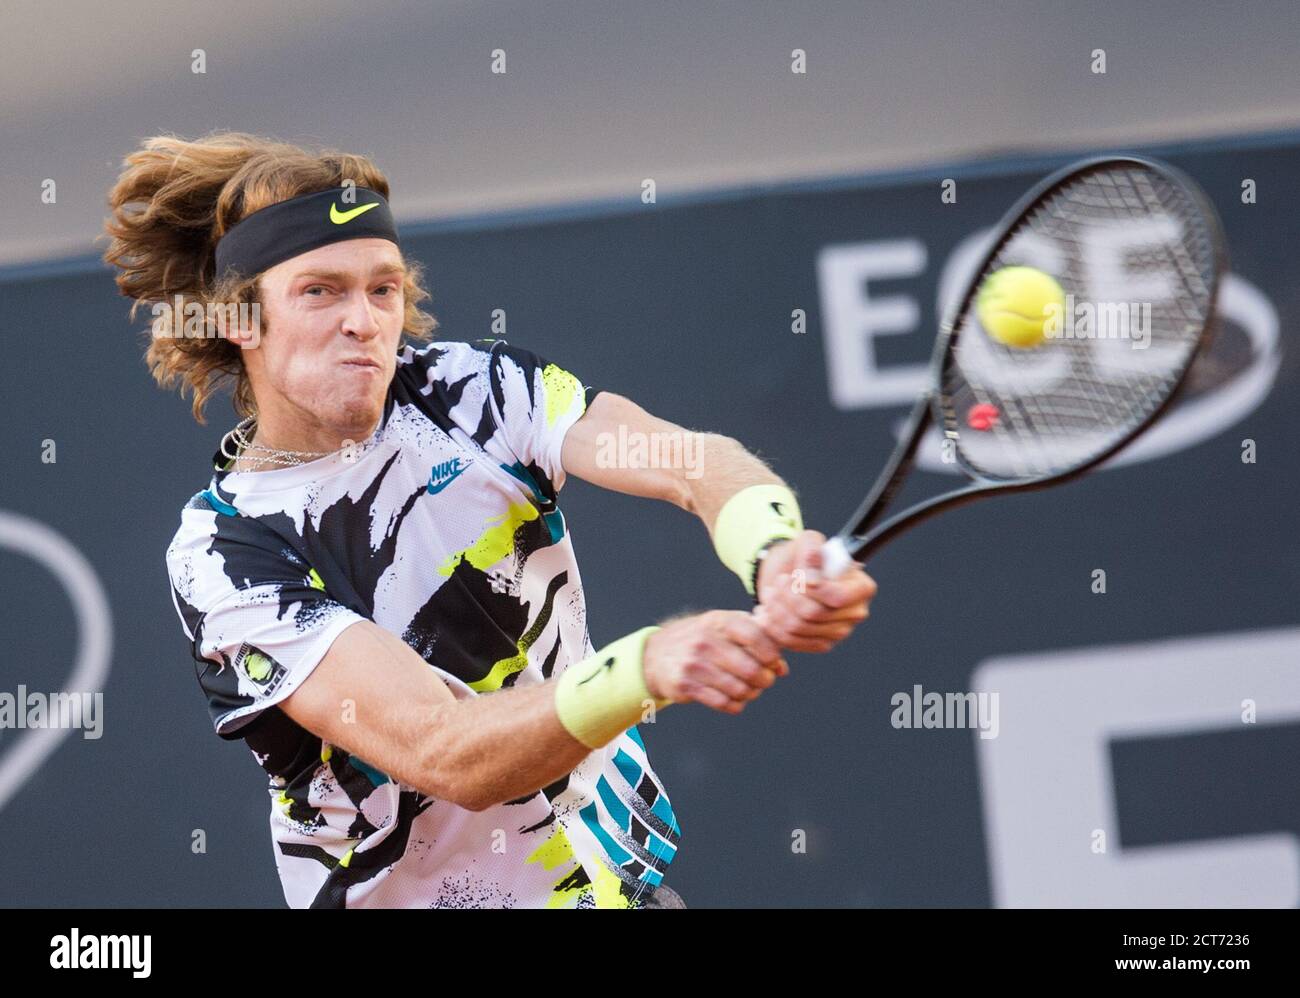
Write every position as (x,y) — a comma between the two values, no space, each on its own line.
(238,445)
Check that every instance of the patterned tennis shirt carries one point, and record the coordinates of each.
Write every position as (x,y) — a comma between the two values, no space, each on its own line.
(443,527)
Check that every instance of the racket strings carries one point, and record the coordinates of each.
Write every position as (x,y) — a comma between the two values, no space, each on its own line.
(1135,258)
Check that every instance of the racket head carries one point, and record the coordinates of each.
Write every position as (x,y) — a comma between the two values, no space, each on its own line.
(1064,406)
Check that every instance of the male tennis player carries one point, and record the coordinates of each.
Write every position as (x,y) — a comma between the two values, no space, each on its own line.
(379,586)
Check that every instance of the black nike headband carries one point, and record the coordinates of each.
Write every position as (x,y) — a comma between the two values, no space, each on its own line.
(281,231)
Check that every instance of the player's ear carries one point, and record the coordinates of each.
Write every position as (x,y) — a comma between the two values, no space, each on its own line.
(240,324)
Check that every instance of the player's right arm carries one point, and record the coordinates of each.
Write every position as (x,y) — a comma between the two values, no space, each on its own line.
(373,696)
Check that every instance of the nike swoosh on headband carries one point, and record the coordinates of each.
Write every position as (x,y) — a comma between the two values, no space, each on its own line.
(341,217)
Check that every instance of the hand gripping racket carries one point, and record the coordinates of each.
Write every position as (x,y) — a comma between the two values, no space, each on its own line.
(1130,241)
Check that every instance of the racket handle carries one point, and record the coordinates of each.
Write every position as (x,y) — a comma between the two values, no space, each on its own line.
(835,557)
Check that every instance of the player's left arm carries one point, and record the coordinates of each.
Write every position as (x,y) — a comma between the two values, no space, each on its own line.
(613,445)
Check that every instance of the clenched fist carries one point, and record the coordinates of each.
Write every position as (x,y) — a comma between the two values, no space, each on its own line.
(720,658)
(799,609)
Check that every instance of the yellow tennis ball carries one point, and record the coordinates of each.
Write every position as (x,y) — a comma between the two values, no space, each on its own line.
(1015,306)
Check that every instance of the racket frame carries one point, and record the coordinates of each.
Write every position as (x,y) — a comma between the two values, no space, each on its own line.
(864,533)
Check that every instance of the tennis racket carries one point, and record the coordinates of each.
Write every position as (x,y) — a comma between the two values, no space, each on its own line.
(1126,235)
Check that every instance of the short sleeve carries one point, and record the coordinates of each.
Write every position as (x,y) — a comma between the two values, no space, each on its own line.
(257,616)
(535,402)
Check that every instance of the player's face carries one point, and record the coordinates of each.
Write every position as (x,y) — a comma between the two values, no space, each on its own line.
(332,321)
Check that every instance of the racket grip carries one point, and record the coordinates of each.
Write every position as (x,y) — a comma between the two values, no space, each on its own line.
(835,557)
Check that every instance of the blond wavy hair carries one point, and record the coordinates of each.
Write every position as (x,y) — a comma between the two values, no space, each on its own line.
(173,201)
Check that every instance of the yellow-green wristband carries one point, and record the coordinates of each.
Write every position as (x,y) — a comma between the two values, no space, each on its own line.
(748,521)
(600,697)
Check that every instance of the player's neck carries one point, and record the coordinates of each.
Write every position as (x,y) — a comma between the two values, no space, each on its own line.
(303,440)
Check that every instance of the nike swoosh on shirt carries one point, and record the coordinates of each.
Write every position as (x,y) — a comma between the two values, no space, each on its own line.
(437,486)
(340,217)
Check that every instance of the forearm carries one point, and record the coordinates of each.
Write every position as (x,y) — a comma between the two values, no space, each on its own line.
(724,468)
(374,697)
(500,746)
(745,506)
(508,744)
